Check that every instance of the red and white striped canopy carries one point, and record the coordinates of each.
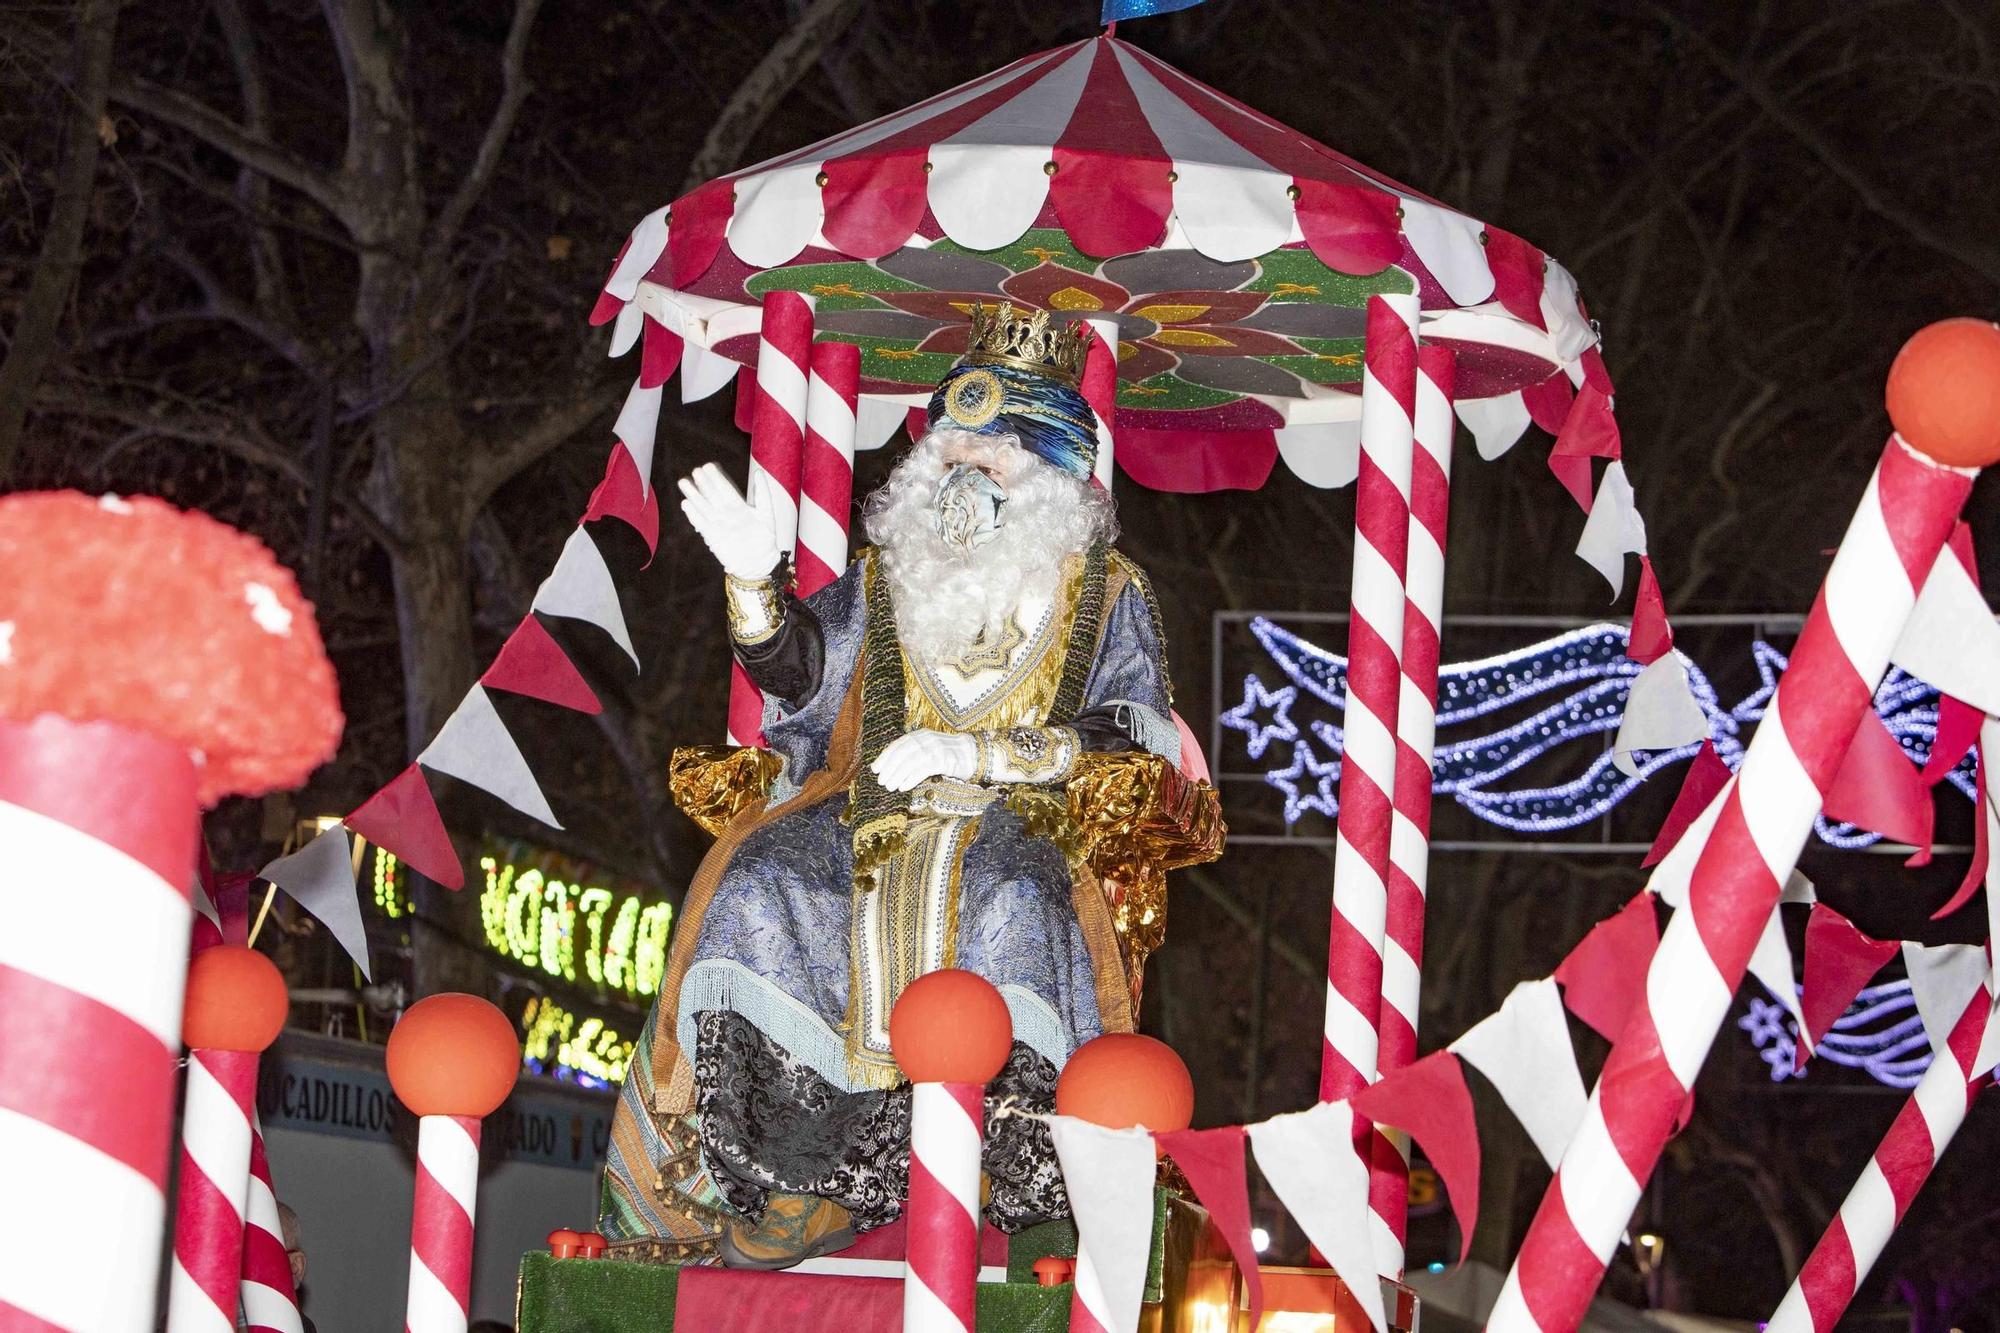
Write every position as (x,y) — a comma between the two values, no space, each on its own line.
(1042,183)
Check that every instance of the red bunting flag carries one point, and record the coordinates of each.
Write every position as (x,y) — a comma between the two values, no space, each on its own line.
(622,495)
(659,354)
(1840,960)
(1975,873)
(403,818)
(1652,637)
(1212,1161)
(1429,1101)
(1879,789)
(531,662)
(1705,777)
(1606,973)
(1588,431)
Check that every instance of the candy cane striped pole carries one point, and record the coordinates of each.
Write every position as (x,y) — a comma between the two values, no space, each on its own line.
(440,1299)
(1767,814)
(826,495)
(1416,736)
(211,1192)
(1922,1130)
(1374,688)
(777,448)
(1100,390)
(111,813)
(941,1282)
(270,1302)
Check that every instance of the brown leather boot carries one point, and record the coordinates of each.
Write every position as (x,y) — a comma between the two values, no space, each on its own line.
(794,1228)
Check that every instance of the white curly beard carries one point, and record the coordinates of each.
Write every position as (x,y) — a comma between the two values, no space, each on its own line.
(946,597)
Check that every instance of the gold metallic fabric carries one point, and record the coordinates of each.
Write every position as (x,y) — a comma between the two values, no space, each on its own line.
(712,784)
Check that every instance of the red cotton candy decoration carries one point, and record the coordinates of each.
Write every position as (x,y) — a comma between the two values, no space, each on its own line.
(170,624)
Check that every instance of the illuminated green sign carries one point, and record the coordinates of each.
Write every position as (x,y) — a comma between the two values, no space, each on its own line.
(556,1041)
(574,932)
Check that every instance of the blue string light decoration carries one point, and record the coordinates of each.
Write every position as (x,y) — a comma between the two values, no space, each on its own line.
(1881,1034)
(1584,675)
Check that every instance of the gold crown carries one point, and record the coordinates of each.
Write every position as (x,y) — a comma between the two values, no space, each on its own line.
(1029,340)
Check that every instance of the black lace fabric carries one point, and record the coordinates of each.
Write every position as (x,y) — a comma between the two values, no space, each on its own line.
(768,1123)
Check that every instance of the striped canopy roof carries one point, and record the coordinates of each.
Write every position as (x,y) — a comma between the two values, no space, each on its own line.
(1234,255)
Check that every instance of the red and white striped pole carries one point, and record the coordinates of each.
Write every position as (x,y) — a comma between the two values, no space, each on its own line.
(109,809)
(826,495)
(777,450)
(951,1032)
(1374,690)
(236,1007)
(270,1301)
(1100,390)
(452,1060)
(1416,738)
(1767,814)
(1873,1209)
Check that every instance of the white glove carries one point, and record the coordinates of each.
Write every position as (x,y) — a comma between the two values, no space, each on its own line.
(915,756)
(741,534)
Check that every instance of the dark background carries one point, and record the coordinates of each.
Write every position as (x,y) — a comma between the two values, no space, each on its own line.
(322,270)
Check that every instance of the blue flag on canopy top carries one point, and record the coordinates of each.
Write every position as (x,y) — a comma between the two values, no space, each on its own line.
(1114,10)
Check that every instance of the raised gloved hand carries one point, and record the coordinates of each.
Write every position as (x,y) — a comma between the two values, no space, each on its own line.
(741,533)
(915,756)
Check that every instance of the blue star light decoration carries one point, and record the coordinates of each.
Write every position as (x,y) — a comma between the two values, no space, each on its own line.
(1583,676)
(1881,1034)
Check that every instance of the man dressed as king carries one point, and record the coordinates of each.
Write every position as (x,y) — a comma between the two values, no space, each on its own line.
(928,709)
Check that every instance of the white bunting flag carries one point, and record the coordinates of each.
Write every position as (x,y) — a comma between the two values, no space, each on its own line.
(1308,1159)
(1497,424)
(1524,1050)
(1109,1176)
(475,747)
(1942,980)
(637,426)
(1614,528)
(320,878)
(580,588)
(1771,964)
(1660,713)
(1951,640)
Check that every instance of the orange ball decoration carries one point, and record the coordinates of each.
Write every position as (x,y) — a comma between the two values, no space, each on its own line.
(236,1001)
(453,1054)
(950,1026)
(1122,1079)
(1944,392)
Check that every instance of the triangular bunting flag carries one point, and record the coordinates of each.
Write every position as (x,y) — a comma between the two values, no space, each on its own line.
(1879,789)
(1607,972)
(1840,960)
(580,588)
(1706,776)
(622,495)
(1108,1174)
(1588,431)
(637,426)
(1308,1159)
(320,878)
(1212,1161)
(1524,1050)
(531,662)
(1652,637)
(475,747)
(1982,845)
(703,373)
(403,817)
(1613,530)
(1661,713)
(1548,406)
(1429,1101)
(1771,964)
(1951,639)
(1517,276)
(659,354)
(1943,978)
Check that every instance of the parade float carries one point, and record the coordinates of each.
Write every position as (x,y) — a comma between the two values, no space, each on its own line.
(1250,296)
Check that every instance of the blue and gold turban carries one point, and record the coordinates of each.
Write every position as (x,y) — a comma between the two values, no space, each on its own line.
(1020,378)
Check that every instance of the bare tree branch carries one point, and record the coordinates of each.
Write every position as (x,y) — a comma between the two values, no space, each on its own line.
(34,341)
(494,468)
(514,89)
(219,131)
(765,86)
